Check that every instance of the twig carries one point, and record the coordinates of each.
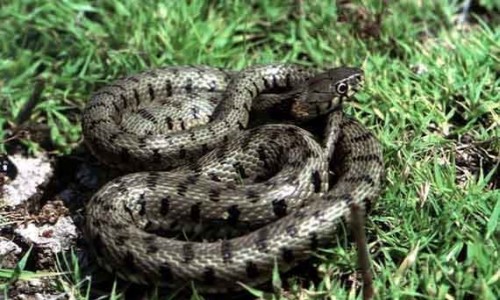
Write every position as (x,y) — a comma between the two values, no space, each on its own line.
(26,111)
(357,225)
(463,16)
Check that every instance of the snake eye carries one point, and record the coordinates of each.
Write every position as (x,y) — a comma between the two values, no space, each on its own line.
(341,88)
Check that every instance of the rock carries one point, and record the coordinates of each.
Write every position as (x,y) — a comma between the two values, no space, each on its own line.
(54,237)
(8,253)
(32,173)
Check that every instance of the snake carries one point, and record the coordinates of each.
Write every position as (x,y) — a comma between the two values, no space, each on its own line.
(183,138)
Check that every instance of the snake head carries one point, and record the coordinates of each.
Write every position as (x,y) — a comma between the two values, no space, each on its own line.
(325,92)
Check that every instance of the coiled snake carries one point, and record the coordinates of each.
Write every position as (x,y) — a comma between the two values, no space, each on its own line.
(192,122)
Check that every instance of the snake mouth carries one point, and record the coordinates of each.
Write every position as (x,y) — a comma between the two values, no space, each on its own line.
(326,92)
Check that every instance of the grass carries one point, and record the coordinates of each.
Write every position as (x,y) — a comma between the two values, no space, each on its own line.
(431,97)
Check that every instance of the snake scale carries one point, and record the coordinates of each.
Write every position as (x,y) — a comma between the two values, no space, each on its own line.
(183,135)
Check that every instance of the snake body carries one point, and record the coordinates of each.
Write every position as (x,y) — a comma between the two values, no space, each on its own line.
(214,168)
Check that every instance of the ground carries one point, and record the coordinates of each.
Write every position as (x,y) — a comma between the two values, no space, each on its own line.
(431,97)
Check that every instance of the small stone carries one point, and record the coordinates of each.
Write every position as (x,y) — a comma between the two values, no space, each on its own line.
(32,172)
(7,247)
(9,252)
(62,233)
(419,69)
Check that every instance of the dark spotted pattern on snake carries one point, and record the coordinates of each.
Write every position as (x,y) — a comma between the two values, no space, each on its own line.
(182,133)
